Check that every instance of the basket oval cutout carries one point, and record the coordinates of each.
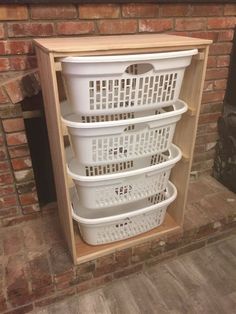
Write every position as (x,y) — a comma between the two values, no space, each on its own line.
(140,68)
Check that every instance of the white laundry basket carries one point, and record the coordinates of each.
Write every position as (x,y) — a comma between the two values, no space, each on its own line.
(109,143)
(100,227)
(97,85)
(113,190)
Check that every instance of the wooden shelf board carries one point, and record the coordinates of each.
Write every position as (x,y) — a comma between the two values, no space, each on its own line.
(87,252)
(116,42)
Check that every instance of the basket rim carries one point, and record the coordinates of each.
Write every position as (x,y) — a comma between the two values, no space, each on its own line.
(175,156)
(129,58)
(180,107)
(171,190)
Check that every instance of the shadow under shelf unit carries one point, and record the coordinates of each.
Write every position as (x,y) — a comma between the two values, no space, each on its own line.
(49,52)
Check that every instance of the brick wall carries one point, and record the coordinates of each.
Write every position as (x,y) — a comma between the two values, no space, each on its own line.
(19,24)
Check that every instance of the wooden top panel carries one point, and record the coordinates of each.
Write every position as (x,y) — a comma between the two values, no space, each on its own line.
(117,42)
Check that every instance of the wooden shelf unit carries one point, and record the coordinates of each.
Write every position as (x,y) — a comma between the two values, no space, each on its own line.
(49,53)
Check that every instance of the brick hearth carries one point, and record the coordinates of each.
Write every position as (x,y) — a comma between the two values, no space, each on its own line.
(36,268)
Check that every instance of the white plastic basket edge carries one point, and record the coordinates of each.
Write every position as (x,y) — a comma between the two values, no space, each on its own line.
(174,151)
(136,57)
(171,190)
(179,105)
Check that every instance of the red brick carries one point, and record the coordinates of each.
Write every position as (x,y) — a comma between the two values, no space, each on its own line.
(15,220)
(19,151)
(213,97)
(10,111)
(17,281)
(6,190)
(2,47)
(220,49)
(4,166)
(12,241)
(26,187)
(2,32)
(208,118)
(207,10)
(75,28)
(3,304)
(206,35)
(221,22)
(3,97)
(6,178)
(53,11)
(13,125)
(105,265)
(24,86)
(190,24)
(174,10)
(210,108)
(128,271)
(30,209)
(117,26)
(227,35)
(99,11)
(207,128)
(180,33)
(16,138)
(23,309)
(22,63)
(213,74)
(65,277)
(29,198)
(55,298)
(19,47)
(8,213)
(123,257)
(3,153)
(211,62)
(87,267)
(21,163)
(30,29)
(223,61)
(8,201)
(4,64)
(40,272)
(14,91)
(32,235)
(60,259)
(13,12)
(1,139)
(230,9)
(220,84)
(140,10)
(24,175)
(204,156)
(155,25)
(141,252)
(199,149)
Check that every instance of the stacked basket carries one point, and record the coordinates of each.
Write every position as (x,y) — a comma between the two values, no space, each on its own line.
(121,122)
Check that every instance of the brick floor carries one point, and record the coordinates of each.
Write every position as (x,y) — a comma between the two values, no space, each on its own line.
(36,268)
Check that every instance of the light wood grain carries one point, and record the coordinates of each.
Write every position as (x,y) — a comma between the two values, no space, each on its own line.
(186,130)
(117,42)
(52,112)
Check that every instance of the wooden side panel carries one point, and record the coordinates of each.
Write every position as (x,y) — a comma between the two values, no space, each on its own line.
(52,111)
(186,130)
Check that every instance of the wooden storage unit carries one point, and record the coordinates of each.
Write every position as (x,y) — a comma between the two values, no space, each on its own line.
(49,52)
